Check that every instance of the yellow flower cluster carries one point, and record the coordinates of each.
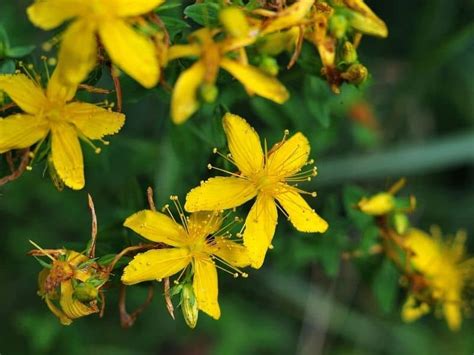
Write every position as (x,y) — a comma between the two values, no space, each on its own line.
(195,245)
(436,271)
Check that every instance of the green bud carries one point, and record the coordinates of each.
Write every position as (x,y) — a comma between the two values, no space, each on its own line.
(189,306)
(85,292)
(269,65)
(349,53)
(208,92)
(338,26)
(400,222)
(356,74)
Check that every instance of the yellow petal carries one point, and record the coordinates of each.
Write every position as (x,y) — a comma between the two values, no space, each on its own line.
(365,20)
(24,92)
(65,320)
(219,193)
(93,121)
(156,227)
(184,101)
(77,57)
(21,131)
(256,81)
(155,265)
(72,307)
(183,50)
(413,310)
(259,229)
(234,21)
(130,51)
(287,158)
(244,144)
(48,14)
(301,215)
(67,155)
(59,88)
(452,310)
(289,17)
(134,7)
(231,252)
(204,223)
(206,288)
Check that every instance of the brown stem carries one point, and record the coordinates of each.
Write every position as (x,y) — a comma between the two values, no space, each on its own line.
(7,106)
(156,20)
(94,90)
(128,319)
(118,87)
(16,173)
(128,250)
(298,47)
(93,228)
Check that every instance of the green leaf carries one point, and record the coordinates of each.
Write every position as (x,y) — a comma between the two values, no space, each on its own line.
(205,14)
(385,286)
(7,67)
(174,25)
(168,6)
(19,52)
(317,98)
(43,263)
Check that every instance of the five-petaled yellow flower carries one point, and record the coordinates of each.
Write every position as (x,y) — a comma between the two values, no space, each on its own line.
(49,112)
(268,176)
(198,242)
(445,270)
(110,21)
(212,56)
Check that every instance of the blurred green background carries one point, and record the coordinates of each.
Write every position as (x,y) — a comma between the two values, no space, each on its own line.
(415,119)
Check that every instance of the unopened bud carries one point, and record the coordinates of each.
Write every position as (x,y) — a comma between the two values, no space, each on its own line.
(85,292)
(400,222)
(349,53)
(189,306)
(338,26)
(269,65)
(356,74)
(208,92)
(377,205)
(234,21)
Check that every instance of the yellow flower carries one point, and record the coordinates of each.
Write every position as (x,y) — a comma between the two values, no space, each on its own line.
(71,286)
(266,176)
(48,112)
(197,242)
(110,22)
(212,56)
(445,270)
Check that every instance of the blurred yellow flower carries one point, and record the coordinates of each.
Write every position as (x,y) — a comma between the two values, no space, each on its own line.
(71,285)
(49,112)
(377,205)
(213,56)
(445,270)
(110,21)
(199,241)
(266,176)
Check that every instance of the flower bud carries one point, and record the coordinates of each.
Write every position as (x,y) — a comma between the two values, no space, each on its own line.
(377,205)
(338,26)
(269,65)
(85,292)
(356,74)
(234,21)
(189,305)
(208,92)
(400,222)
(349,53)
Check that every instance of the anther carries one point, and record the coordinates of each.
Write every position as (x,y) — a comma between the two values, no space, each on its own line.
(314,194)
(209,166)
(97,150)
(270,246)
(214,150)
(245,275)
(29,167)
(236,275)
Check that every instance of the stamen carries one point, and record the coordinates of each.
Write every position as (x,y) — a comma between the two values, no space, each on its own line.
(42,250)
(97,150)
(45,64)
(210,167)
(180,210)
(227,157)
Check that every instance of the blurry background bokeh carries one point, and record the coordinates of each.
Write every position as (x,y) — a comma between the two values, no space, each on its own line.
(414,119)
